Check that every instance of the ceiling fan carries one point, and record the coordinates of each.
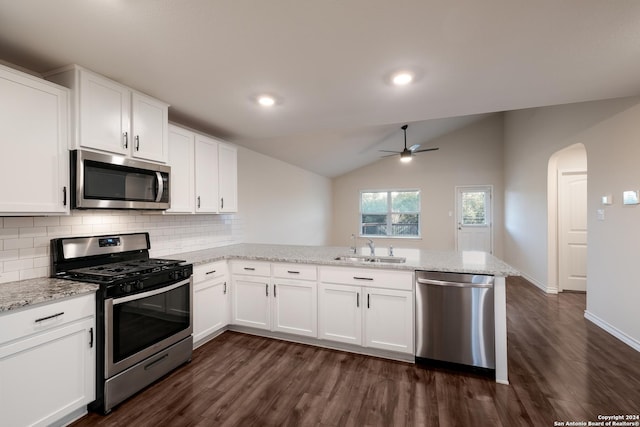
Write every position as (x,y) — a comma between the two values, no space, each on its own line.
(407,153)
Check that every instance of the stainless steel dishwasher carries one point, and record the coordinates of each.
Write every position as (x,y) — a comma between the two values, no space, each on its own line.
(455,318)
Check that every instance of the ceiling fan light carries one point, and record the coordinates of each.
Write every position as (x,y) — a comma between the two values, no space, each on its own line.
(405,157)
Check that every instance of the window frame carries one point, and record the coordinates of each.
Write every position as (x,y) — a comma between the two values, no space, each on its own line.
(389,213)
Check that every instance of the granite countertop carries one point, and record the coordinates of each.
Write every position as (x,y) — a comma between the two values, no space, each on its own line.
(15,295)
(416,259)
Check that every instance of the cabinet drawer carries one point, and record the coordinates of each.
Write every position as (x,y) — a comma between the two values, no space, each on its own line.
(209,271)
(43,317)
(295,271)
(390,279)
(251,268)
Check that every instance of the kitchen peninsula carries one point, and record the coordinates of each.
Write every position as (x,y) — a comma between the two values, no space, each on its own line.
(324,269)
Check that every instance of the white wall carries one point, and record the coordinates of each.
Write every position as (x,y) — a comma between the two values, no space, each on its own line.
(469,156)
(609,130)
(280,203)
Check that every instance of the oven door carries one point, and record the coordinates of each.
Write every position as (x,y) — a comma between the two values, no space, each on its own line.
(140,325)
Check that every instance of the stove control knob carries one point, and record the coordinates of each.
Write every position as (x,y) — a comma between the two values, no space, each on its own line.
(185,272)
(139,285)
(125,287)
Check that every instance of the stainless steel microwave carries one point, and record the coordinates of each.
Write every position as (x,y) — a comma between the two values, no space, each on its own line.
(109,181)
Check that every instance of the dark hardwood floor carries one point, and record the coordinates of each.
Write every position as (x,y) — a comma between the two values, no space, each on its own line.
(561,368)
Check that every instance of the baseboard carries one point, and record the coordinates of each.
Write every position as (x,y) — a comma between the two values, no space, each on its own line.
(631,342)
(541,286)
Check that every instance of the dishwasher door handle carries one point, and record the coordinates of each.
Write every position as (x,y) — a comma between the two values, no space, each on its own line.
(455,284)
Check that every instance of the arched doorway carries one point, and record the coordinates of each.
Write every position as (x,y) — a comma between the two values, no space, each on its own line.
(567,219)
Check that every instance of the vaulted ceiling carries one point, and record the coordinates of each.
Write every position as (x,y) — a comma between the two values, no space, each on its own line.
(328,63)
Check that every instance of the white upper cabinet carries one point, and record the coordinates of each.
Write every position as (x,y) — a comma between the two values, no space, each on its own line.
(228,177)
(114,118)
(149,128)
(181,160)
(204,173)
(34,166)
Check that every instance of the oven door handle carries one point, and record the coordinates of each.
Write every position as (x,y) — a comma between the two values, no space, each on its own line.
(160,184)
(147,294)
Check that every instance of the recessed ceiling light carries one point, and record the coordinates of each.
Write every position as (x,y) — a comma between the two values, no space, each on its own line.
(402,78)
(266,100)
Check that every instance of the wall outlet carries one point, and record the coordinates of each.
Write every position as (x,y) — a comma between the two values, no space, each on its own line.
(600,214)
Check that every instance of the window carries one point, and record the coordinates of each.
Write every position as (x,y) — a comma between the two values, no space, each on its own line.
(474,207)
(390,213)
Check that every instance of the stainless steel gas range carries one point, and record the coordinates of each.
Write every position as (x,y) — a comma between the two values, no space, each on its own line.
(144,319)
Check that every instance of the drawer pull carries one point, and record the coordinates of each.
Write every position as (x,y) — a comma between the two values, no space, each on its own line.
(362,278)
(293,272)
(42,319)
(249,269)
(210,272)
(224,292)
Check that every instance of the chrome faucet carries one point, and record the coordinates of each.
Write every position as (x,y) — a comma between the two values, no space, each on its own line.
(372,246)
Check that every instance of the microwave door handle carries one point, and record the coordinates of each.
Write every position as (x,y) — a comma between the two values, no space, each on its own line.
(160,187)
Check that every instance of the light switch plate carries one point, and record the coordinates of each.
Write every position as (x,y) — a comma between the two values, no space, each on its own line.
(600,214)
(607,200)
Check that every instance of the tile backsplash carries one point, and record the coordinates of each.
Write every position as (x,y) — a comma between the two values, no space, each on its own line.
(24,241)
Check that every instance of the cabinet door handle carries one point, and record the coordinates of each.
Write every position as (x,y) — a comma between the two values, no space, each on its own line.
(222,203)
(274,290)
(125,139)
(210,272)
(137,142)
(293,272)
(224,291)
(368,301)
(198,202)
(64,196)
(358,299)
(249,269)
(91,338)
(42,319)
(266,289)
(362,278)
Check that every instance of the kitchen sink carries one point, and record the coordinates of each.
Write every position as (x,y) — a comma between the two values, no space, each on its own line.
(370,258)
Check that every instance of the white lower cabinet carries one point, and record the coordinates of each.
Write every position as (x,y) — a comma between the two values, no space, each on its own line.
(294,306)
(275,302)
(389,319)
(251,302)
(211,302)
(47,362)
(340,313)
(379,315)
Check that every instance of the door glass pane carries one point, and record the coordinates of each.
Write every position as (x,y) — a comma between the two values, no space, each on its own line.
(405,201)
(374,202)
(474,210)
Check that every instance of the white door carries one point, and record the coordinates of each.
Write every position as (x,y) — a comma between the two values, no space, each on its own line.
(295,307)
(181,160)
(474,220)
(389,319)
(210,308)
(340,313)
(228,178)
(572,231)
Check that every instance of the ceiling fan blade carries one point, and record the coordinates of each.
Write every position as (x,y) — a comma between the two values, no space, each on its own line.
(390,155)
(414,147)
(389,151)
(426,149)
